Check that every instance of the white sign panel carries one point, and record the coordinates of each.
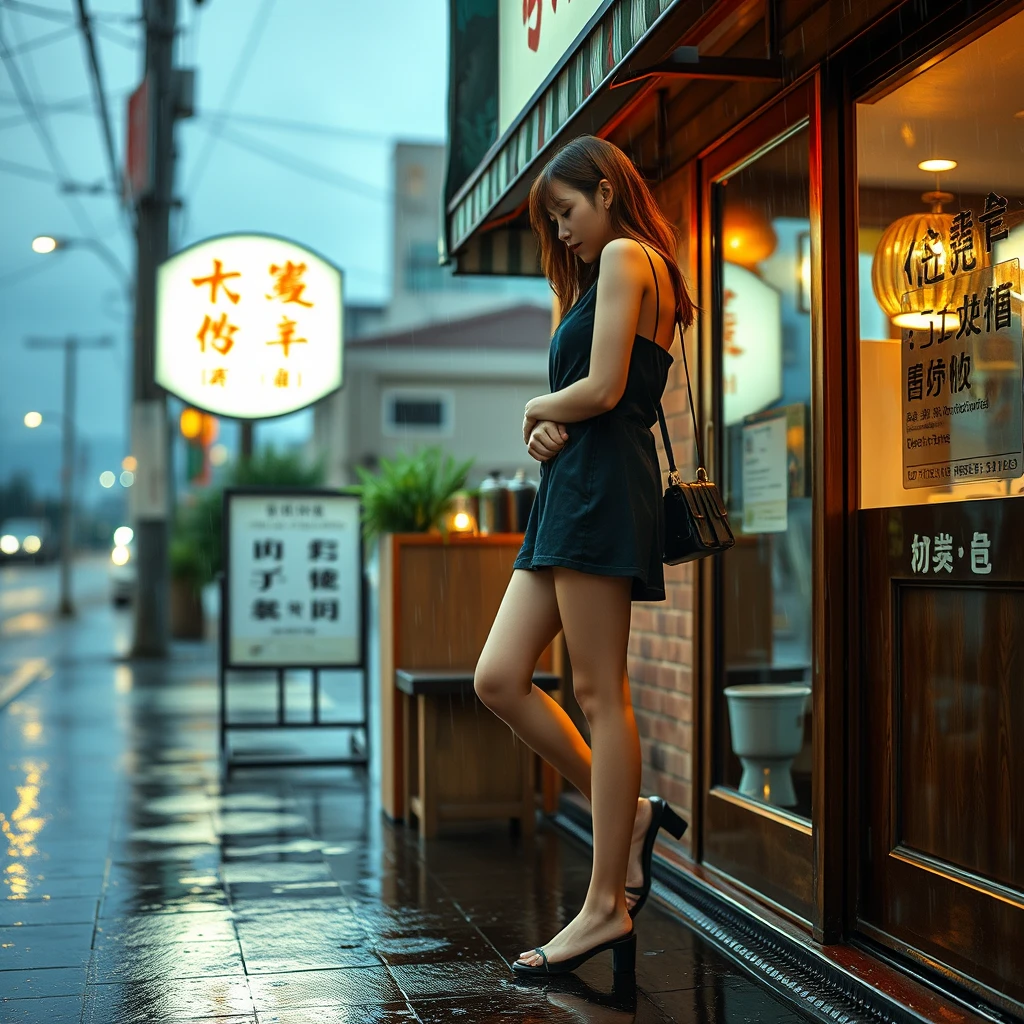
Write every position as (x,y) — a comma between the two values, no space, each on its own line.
(533,36)
(751,344)
(249,326)
(294,580)
(765,476)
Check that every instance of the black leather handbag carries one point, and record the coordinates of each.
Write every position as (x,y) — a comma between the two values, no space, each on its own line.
(696,520)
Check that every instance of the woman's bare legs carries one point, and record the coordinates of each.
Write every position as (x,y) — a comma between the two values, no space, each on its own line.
(527,621)
(595,614)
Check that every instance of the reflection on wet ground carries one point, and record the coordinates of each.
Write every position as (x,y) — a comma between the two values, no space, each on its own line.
(137,887)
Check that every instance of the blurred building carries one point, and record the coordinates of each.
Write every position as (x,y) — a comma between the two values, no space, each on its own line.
(447,360)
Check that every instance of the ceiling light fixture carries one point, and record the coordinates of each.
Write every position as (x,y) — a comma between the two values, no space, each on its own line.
(936,166)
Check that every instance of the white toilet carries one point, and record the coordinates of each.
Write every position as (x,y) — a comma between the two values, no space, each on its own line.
(767,725)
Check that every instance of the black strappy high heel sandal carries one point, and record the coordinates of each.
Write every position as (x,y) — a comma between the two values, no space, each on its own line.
(662,816)
(623,959)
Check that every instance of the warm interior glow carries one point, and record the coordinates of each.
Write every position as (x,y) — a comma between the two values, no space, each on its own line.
(31,544)
(937,166)
(120,555)
(44,244)
(9,544)
(218,455)
(130,463)
(33,419)
(462,521)
(190,423)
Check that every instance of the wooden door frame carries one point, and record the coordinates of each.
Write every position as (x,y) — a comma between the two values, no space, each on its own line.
(813,857)
(898,47)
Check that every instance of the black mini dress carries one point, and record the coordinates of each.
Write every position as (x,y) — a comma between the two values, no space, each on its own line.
(599,504)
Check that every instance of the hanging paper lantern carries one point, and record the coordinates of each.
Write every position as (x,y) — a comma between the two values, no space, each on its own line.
(910,250)
(747,236)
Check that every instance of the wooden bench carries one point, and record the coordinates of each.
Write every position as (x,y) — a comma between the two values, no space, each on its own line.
(461,761)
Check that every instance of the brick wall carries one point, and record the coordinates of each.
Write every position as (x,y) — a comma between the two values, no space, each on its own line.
(661,660)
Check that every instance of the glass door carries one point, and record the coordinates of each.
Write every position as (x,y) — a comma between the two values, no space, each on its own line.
(940,859)
(759,756)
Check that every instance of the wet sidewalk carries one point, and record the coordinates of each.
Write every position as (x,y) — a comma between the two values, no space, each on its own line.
(137,887)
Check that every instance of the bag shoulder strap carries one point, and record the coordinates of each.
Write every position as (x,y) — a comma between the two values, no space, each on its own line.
(673,472)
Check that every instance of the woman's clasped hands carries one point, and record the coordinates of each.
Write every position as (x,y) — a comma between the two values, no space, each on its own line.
(544,438)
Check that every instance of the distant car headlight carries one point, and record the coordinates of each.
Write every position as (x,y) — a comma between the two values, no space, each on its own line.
(123,536)
(120,555)
(9,544)
(31,544)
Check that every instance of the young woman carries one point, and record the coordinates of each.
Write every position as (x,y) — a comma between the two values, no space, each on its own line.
(594,539)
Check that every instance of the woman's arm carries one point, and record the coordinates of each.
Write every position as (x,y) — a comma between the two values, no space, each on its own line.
(620,289)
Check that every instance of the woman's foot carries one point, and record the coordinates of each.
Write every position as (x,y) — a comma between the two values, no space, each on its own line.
(585,931)
(635,869)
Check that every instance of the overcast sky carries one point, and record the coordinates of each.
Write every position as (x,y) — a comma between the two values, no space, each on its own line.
(374,72)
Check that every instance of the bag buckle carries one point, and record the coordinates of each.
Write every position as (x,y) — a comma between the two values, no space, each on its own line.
(674,479)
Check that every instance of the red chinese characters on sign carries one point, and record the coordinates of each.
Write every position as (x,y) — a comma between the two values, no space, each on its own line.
(288,283)
(286,330)
(216,280)
(222,332)
(532,11)
(217,334)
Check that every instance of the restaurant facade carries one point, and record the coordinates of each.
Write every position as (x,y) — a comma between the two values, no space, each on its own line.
(836,703)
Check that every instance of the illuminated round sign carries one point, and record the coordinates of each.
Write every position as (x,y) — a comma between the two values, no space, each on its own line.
(248,326)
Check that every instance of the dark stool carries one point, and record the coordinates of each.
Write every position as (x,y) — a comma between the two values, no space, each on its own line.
(461,761)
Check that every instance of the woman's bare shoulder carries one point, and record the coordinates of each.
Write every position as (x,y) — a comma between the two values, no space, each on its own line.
(623,259)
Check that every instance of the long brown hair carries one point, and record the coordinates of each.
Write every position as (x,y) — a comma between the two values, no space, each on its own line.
(580,165)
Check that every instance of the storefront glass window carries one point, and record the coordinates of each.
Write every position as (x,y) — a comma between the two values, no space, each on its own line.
(941,206)
(763,731)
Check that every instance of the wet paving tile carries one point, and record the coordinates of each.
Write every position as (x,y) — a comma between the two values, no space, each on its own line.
(309,954)
(358,986)
(65,910)
(35,984)
(153,963)
(434,981)
(451,949)
(731,1001)
(157,1003)
(34,947)
(58,1010)
(164,929)
(388,1013)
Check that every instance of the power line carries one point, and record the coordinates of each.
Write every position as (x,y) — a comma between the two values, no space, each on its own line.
(99,94)
(290,162)
(32,173)
(42,132)
(291,125)
(114,35)
(56,36)
(248,51)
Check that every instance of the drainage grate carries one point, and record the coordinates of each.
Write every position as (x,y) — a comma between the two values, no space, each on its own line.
(814,986)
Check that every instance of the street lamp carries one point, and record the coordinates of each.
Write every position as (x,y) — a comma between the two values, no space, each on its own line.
(33,420)
(45,244)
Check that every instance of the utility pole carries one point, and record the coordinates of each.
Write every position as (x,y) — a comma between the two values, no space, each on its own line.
(67,463)
(150,442)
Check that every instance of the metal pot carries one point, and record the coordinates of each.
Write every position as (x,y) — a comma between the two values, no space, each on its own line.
(522,494)
(494,504)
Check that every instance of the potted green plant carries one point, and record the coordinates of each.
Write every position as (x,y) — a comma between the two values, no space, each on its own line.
(189,572)
(409,493)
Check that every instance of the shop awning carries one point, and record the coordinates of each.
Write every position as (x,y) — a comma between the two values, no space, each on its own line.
(488,181)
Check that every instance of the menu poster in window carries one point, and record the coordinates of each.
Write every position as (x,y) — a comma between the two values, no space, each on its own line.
(962,380)
(765,475)
(294,580)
